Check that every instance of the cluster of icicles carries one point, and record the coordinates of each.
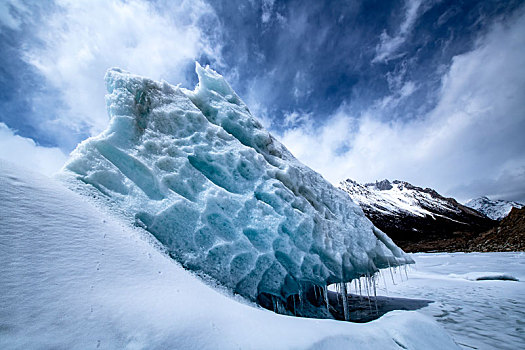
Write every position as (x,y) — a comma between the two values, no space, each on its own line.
(365,285)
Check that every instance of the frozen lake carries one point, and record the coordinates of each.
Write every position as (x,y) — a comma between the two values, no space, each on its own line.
(479,314)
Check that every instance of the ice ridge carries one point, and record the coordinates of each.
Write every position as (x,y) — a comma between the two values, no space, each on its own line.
(226,199)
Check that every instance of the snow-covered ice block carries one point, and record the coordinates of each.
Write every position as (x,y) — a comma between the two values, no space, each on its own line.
(74,277)
(226,199)
(486,276)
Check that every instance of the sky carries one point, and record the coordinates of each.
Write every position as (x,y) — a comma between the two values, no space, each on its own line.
(430,92)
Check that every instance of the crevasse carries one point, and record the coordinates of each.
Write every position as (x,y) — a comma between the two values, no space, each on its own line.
(226,199)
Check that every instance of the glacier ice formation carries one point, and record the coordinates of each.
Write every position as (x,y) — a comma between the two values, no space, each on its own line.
(224,197)
(74,277)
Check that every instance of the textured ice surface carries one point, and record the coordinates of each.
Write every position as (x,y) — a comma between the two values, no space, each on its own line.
(226,199)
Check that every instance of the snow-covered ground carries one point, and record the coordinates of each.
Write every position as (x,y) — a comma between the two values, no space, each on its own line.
(73,277)
(478,313)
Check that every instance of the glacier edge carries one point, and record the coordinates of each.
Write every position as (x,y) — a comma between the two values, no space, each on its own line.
(225,198)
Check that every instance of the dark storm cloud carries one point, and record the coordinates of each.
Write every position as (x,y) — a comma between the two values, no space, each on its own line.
(314,56)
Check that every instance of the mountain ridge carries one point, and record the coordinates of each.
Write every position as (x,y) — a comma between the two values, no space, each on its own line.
(414,216)
(509,235)
(495,209)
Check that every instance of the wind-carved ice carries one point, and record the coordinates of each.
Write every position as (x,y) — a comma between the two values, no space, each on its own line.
(224,197)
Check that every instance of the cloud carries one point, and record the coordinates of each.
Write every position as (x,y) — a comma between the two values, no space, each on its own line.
(389,45)
(295,119)
(399,94)
(10,13)
(25,152)
(75,41)
(470,144)
(267,8)
(508,185)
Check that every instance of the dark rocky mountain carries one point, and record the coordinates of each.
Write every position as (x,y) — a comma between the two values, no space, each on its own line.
(509,235)
(418,219)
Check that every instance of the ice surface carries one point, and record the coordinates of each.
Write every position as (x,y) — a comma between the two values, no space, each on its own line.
(480,314)
(220,193)
(74,277)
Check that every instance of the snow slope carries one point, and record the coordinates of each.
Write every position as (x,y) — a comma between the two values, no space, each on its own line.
(474,296)
(200,173)
(73,277)
(496,210)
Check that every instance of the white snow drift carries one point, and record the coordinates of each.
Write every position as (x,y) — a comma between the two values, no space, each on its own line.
(72,277)
(210,183)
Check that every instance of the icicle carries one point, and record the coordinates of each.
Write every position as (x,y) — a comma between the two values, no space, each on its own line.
(384,281)
(398,271)
(375,293)
(368,291)
(374,285)
(326,299)
(390,270)
(315,291)
(406,273)
(344,295)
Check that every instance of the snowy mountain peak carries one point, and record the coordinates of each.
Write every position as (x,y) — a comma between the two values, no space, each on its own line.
(383,185)
(411,214)
(395,197)
(494,209)
(201,174)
